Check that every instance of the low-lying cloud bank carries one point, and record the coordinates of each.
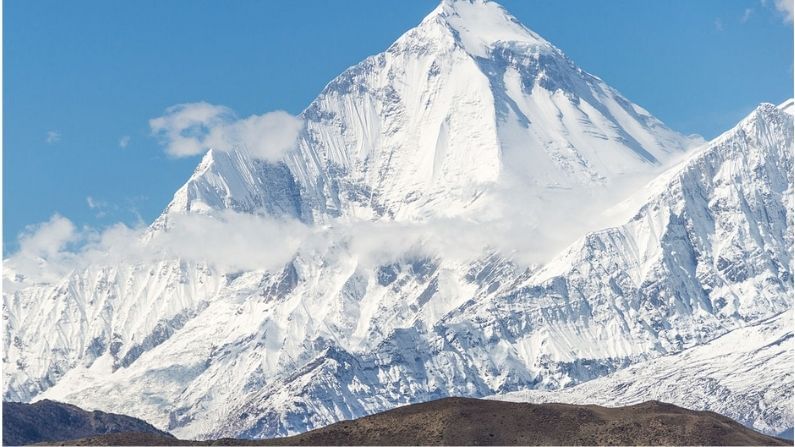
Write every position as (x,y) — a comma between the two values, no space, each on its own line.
(232,242)
(515,218)
(228,241)
(786,8)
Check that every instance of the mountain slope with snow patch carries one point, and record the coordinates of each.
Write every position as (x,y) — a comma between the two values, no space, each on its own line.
(745,374)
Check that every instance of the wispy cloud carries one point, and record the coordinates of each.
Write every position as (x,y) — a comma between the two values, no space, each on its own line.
(52,137)
(233,241)
(719,24)
(746,15)
(92,203)
(786,8)
(98,206)
(230,242)
(191,129)
(124,141)
(127,211)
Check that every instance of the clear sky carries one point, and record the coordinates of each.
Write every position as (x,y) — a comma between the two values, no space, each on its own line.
(83,78)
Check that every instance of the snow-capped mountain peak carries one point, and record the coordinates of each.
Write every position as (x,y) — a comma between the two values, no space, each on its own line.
(480,24)
(467,102)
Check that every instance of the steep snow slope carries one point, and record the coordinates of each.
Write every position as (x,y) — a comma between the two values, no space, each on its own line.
(330,338)
(117,311)
(788,106)
(710,252)
(745,374)
(232,180)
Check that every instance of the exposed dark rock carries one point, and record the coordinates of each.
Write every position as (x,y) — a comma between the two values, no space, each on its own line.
(461,421)
(46,420)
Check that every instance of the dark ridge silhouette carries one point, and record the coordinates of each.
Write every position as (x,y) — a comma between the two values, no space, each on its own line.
(47,420)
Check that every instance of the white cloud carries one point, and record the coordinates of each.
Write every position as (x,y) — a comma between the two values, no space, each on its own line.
(229,242)
(232,242)
(786,8)
(43,252)
(719,24)
(52,137)
(100,207)
(92,203)
(46,239)
(746,15)
(192,129)
(508,223)
(266,136)
(185,126)
(124,141)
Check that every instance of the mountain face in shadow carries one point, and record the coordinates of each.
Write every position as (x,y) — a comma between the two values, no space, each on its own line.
(47,420)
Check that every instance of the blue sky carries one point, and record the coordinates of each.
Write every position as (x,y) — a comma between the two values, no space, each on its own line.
(83,78)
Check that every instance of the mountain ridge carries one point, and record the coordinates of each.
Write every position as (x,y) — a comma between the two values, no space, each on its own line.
(463,353)
(723,371)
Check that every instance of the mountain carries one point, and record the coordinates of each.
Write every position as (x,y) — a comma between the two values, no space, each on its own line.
(459,421)
(722,375)
(468,121)
(716,233)
(468,100)
(43,421)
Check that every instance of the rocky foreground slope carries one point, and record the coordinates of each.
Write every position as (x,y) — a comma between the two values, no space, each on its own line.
(45,420)
(458,421)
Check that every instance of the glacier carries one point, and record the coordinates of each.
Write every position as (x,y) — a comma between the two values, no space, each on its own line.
(468,120)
